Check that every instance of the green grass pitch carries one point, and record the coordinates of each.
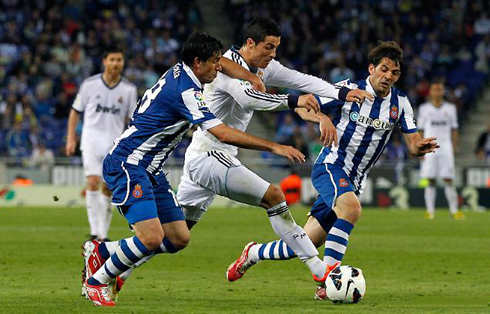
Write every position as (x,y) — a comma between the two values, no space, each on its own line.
(411,265)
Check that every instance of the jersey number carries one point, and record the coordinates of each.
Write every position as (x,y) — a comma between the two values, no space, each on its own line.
(150,95)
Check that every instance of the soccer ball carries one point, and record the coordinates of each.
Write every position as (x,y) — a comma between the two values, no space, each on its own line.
(345,284)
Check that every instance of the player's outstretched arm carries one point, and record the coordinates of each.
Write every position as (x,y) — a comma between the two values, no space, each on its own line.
(419,146)
(234,70)
(328,133)
(71,140)
(235,137)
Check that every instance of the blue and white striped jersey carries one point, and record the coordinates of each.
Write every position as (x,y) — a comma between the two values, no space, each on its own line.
(364,130)
(163,115)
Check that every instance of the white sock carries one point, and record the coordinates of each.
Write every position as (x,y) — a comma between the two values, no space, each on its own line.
(105,215)
(430,198)
(451,197)
(92,200)
(295,237)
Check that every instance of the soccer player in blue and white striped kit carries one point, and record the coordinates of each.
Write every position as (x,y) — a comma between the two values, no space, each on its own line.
(339,174)
(133,170)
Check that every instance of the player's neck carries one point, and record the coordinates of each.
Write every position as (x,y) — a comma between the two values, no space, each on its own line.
(437,103)
(246,56)
(111,80)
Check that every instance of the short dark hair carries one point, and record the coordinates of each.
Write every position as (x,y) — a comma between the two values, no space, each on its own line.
(202,46)
(261,27)
(112,49)
(386,49)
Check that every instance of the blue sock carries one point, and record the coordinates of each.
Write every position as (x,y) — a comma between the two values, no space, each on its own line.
(166,247)
(336,243)
(94,282)
(104,253)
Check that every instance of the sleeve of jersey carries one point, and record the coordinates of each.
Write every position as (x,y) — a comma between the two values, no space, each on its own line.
(132,102)
(250,99)
(80,103)
(454,118)
(328,105)
(407,120)
(195,110)
(282,76)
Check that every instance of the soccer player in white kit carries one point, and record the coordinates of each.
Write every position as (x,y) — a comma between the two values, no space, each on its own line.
(438,118)
(107,101)
(211,167)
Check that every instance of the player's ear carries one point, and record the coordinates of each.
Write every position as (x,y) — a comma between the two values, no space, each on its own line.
(250,43)
(371,68)
(196,63)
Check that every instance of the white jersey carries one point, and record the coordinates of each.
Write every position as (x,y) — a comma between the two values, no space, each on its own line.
(438,122)
(234,101)
(105,110)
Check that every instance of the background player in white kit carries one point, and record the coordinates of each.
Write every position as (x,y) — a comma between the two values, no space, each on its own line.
(107,101)
(438,118)
(211,167)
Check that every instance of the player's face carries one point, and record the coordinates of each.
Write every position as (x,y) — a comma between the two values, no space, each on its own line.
(114,63)
(384,75)
(209,69)
(263,53)
(436,91)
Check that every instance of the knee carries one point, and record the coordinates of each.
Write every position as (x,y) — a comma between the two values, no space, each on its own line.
(152,241)
(272,197)
(181,240)
(93,183)
(351,213)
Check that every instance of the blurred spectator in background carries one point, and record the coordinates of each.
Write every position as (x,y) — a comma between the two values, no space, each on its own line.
(286,130)
(483,145)
(291,187)
(42,158)
(19,143)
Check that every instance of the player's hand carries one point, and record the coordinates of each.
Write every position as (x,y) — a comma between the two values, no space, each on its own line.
(257,83)
(427,145)
(328,133)
(308,102)
(70,147)
(289,152)
(358,96)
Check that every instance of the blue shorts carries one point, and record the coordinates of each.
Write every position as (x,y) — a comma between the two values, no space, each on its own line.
(330,181)
(138,194)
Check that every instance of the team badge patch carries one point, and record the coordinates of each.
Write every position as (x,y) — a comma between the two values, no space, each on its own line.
(198,96)
(120,100)
(394,112)
(137,192)
(343,182)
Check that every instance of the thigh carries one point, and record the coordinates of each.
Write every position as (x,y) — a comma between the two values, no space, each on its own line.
(330,182)
(92,162)
(446,166)
(168,207)
(226,176)
(429,167)
(193,198)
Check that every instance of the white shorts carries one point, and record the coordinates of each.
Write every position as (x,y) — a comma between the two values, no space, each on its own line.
(216,172)
(438,165)
(92,161)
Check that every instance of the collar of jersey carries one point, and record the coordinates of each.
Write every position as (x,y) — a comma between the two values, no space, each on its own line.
(191,74)
(236,50)
(370,89)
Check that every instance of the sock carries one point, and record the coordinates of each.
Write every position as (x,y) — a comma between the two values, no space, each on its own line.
(108,248)
(430,198)
(451,197)
(337,240)
(105,215)
(275,250)
(127,254)
(92,201)
(295,237)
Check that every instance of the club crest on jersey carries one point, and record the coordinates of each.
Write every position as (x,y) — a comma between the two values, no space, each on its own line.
(120,100)
(367,121)
(343,182)
(394,112)
(198,96)
(260,74)
(137,192)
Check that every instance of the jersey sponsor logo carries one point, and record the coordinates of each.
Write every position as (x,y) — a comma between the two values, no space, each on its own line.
(394,112)
(343,182)
(137,192)
(103,109)
(367,121)
(439,123)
